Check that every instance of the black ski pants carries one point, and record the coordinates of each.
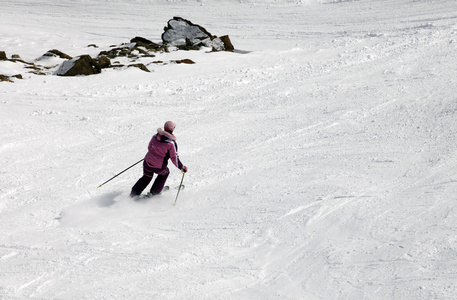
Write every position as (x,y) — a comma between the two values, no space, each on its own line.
(143,182)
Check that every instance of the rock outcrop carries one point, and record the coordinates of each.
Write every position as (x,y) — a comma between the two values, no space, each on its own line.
(81,65)
(186,35)
(179,33)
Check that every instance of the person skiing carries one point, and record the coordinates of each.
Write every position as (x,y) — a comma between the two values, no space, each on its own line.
(162,147)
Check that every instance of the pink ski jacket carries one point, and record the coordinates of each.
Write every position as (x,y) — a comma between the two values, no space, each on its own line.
(162,147)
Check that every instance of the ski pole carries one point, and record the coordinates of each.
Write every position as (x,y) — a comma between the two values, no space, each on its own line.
(180,185)
(121,172)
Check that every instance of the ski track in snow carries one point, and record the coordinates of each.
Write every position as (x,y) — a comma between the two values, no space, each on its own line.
(321,155)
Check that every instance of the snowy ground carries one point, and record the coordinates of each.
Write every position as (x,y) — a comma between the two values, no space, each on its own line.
(321,162)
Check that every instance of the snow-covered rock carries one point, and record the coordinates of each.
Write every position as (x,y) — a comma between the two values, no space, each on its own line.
(186,35)
(81,65)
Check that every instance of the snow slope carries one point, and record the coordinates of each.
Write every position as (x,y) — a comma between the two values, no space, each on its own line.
(321,158)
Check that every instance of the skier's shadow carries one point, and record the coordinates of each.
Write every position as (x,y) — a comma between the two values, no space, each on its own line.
(108,199)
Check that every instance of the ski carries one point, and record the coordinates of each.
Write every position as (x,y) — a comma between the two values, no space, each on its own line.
(164,190)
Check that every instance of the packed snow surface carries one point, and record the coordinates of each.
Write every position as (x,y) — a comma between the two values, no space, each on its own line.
(322,154)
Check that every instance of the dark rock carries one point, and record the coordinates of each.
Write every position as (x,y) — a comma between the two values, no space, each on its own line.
(115,52)
(190,46)
(82,65)
(222,43)
(57,53)
(3,56)
(184,61)
(92,45)
(15,56)
(125,52)
(38,73)
(147,44)
(141,40)
(143,52)
(103,61)
(8,78)
(143,46)
(227,43)
(118,65)
(149,55)
(30,66)
(5,78)
(140,66)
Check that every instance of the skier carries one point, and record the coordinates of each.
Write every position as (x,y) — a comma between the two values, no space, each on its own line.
(162,147)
